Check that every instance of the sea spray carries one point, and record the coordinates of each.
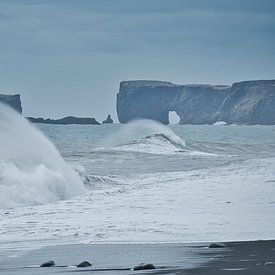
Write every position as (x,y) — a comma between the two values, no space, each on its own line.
(138,129)
(31,169)
(143,136)
(150,137)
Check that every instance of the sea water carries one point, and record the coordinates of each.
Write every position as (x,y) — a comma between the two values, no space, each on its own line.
(135,183)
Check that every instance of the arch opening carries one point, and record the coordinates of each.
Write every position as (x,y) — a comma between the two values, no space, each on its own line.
(173,117)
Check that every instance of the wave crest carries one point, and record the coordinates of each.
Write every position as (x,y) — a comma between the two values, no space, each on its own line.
(155,144)
(31,169)
(144,136)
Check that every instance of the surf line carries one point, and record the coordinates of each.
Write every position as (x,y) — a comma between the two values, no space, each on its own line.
(67,266)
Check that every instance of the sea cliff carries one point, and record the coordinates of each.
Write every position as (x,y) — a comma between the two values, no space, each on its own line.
(247,102)
(12,100)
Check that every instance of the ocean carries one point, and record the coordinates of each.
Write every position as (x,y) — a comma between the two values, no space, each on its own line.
(142,182)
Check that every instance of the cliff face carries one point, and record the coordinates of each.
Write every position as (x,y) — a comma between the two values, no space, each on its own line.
(12,100)
(249,102)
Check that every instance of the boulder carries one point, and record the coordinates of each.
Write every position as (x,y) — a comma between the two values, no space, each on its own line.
(84,264)
(216,245)
(143,266)
(48,264)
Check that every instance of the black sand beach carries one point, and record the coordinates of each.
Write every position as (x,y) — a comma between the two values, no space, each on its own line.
(257,257)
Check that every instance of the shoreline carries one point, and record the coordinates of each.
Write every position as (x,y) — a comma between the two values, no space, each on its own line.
(26,246)
(243,257)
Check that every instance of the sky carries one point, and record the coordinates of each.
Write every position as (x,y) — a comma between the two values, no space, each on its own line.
(67,57)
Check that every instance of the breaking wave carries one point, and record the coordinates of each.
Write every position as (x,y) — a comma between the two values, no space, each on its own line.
(31,169)
(151,137)
(144,136)
(154,144)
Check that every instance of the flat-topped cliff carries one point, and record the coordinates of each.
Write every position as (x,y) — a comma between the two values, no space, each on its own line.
(12,100)
(247,102)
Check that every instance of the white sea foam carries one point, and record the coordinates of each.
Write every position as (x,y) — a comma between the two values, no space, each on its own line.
(144,136)
(139,129)
(150,137)
(31,169)
(199,205)
(143,197)
(220,123)
(154,144)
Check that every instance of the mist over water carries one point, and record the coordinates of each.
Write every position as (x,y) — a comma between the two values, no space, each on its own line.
(138,130)
(31,169)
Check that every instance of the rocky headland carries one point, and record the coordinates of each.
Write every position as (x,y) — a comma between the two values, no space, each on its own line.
(12,100)
(247,102)
(65,120)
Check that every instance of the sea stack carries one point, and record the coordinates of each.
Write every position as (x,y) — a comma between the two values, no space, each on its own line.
(108,120)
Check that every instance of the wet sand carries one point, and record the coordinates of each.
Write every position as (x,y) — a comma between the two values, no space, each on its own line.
(257,257)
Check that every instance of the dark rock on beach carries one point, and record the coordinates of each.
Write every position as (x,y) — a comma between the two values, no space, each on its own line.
(108,120)
(84,264)
(144,267)
(247,102)
(13,101)
(216,245)
(48,264)
(246,258)
(65,120)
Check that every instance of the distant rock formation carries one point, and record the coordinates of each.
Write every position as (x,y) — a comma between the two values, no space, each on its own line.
(247,102)
(13,101)
(108,120)
(65,120)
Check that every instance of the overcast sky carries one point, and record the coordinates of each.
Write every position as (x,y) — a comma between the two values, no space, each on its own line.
(67,57)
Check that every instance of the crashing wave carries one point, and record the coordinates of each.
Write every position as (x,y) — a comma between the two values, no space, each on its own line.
(31,169)
(154,144)
(144,136)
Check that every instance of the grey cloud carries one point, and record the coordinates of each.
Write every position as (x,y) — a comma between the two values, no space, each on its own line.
(54,49)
